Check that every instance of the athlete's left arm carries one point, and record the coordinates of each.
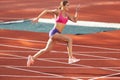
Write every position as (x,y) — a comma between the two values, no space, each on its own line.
(75,17)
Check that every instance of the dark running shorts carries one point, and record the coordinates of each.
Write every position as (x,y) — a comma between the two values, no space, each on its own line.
(53,31)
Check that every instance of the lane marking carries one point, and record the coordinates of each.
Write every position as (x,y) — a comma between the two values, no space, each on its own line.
(114,70)
(105,76)
(33,71)
(56,67)
(78,65)
(22,51)
(23,76)
(54,51)
(63,44)
(12,58)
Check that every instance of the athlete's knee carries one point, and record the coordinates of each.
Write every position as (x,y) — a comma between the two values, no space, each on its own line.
(47,49)
(69,40)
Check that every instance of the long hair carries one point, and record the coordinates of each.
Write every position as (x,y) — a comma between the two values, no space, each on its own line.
(63,3)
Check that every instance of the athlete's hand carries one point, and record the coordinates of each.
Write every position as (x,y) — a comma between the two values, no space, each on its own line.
(35,20)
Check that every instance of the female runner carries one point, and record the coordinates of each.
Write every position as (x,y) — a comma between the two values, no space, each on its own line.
(62,16)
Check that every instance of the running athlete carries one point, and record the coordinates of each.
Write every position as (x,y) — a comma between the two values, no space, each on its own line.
(62,17)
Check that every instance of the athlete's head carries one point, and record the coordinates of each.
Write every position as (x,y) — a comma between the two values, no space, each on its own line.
(64,5)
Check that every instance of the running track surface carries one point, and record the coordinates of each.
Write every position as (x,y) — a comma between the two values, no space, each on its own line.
(90,10)
(99,54)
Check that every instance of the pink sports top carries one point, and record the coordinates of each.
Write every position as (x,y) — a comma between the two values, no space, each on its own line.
(61,19)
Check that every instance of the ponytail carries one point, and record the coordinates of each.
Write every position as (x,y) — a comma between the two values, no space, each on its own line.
(62,3)
(59,7)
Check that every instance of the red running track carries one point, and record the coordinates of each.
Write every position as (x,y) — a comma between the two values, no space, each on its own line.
(99,54)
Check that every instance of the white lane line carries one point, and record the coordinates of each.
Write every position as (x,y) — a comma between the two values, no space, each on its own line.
(52,61)
(79,65)
(54,67)
(35,41)
(40,59)
(65,63)
(63,44)
(96,47)
(12,58)
(110,75)
(48,60)
(22,51)
(33,71)
(104,52)
(26,76)
(97,56)
(89,55)
(55,51)
(114,70)
(72,64)
(84,65)
(18,47)
(12,55)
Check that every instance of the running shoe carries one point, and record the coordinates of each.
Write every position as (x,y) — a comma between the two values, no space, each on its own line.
(30,61)
(73,60)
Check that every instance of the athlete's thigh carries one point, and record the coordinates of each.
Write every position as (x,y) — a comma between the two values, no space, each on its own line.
(61,37)
(50,43)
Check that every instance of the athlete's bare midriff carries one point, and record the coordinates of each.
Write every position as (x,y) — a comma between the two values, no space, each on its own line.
(59,26)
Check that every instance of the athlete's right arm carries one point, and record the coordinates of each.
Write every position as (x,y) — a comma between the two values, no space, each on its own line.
(54,11)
